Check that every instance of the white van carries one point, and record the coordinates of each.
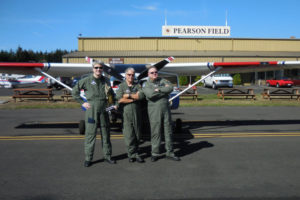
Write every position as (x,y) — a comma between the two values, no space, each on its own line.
(218,80)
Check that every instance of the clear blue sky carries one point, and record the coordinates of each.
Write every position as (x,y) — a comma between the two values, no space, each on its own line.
(47,25)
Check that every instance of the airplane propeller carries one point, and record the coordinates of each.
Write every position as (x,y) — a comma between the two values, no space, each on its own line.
(111,71)
(108,70)
(158,66)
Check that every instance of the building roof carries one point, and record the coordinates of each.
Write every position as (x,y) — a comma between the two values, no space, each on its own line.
(191,38)
(112,54)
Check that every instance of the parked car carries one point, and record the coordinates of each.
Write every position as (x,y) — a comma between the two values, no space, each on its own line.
(284,82)
(218,80)
(296,82)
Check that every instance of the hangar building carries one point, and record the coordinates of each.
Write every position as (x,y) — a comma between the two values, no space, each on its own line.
(137,50)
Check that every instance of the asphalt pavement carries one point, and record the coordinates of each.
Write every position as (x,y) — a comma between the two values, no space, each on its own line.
(226,152)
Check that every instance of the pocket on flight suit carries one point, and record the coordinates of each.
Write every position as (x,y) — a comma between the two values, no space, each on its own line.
(90,117)
(91,120)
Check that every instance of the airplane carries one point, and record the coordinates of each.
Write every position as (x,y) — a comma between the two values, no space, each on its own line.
(14,80)
(165,67)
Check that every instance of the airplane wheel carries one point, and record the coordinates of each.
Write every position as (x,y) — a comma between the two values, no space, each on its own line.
(81,127)
(178,125)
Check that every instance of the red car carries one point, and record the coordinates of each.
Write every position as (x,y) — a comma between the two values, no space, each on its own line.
(284,82)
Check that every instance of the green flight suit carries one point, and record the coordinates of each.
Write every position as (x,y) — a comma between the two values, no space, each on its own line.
(159,113)
(131,118)
(98,93)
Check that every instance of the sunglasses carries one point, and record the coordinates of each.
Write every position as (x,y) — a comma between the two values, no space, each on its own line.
(98,67)
(153,72)
(130,74)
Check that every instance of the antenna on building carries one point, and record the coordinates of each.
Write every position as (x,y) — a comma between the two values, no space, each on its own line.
(165,17)
(226,18)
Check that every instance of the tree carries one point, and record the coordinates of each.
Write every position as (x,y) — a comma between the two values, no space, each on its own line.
(183,80)
(21,55)
(237,79)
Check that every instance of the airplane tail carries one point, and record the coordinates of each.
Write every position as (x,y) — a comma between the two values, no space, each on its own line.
(40,79)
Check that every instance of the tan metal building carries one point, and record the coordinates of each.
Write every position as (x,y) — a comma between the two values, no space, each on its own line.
(152,49)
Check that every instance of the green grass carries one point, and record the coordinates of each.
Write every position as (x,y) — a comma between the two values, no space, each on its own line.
(37,104)
(203,100)
(214,100)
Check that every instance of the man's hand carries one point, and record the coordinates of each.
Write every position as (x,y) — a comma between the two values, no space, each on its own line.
(126,96)
(86,105)
(135,96)
(125,100)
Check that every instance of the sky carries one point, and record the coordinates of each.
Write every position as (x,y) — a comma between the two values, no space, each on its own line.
(47,25)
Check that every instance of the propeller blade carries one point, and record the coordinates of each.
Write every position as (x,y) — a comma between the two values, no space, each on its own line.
(108,70)
(111,71)
(158,66)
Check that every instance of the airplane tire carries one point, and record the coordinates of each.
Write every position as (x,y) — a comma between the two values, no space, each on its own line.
(81,127)
(178,125)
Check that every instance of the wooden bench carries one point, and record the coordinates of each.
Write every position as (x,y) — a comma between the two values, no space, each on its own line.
(191,93)
(66,95)
(30,93)
(281,94)
(234,92)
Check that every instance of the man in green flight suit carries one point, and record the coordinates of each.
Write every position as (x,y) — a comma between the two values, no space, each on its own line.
(128,96)
(98,94)
(157,92)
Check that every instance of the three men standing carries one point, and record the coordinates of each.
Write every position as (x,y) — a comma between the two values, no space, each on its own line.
(98,94)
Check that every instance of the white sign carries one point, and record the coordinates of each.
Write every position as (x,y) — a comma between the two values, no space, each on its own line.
(116,60)
(196,31)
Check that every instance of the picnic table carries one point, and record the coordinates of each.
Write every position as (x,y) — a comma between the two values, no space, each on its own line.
(191,92)
(66,94)
(281,93)
(234,92)
(31,93)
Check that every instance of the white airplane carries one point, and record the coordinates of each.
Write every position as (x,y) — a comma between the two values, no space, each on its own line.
(13,80)
(165,67)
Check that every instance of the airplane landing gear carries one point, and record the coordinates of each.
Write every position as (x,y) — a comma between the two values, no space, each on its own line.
(81,126)
(178,125)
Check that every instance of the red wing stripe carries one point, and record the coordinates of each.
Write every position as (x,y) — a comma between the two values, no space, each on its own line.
(217,64)
(30,65)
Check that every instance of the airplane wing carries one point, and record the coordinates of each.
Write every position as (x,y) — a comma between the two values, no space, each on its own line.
(228,67)
(54,69)
(78,69)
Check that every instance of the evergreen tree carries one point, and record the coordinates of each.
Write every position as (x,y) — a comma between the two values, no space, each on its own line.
(21,55)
